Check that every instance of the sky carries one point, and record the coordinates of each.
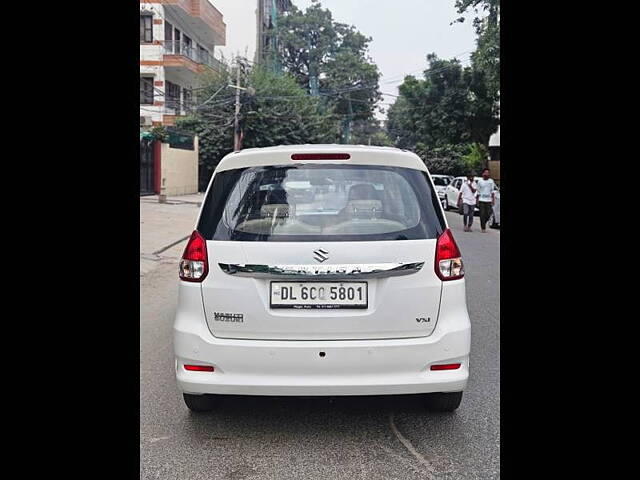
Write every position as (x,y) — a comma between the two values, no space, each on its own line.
(403,31)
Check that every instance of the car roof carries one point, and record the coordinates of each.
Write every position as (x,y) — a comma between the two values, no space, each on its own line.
(360,155)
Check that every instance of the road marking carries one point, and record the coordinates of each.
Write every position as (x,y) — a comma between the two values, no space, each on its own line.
(402,458)
(157,439)
(157,252)
(407,444)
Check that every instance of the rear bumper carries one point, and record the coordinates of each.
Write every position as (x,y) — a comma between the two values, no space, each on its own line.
(348,367)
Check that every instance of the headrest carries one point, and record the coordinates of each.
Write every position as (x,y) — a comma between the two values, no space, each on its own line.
(277,196)
(278,210)
(362,191)
(364,209)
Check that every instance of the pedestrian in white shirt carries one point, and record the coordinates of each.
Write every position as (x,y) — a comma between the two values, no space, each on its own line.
(468,198)
(486,198)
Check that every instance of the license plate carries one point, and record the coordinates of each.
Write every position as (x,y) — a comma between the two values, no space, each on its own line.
(307,295)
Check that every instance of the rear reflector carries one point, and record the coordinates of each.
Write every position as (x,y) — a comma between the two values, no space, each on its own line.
(199,368)
(448,366)
(320,156)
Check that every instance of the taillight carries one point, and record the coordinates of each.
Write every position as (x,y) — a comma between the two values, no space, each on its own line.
(448,258)
(194,265)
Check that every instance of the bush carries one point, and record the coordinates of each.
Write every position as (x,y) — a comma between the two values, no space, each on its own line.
(446,160)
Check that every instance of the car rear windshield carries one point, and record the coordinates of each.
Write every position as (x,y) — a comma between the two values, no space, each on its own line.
(440,181)
(312,202)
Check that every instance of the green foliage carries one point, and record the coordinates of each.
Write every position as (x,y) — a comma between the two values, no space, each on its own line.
(268,120)
(159,132)
(486,58)
(275,111)
(476,159)
(448,107)
(454,105)
(313,46)
(370,132)
(444,160)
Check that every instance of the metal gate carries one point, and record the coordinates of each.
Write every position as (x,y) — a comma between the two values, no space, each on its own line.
(147,186)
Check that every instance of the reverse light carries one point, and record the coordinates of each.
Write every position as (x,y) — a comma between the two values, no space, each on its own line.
(448,262)
(320,156)
(199,368)
(194,265)
(448,366)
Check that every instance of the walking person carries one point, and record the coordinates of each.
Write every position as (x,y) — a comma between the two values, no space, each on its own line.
(467,196)
(486,198)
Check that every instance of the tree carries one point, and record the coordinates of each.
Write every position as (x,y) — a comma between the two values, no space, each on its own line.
(306,40)
(486,58)
(434,111)
(282,113)
(274,111)
(331,60)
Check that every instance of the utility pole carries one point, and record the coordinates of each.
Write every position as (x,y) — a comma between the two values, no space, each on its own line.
(236,128)
(313,72)
(346,126)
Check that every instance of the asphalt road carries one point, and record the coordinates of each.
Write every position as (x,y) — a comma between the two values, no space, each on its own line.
(344,437)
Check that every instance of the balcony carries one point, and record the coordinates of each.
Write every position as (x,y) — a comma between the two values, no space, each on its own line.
(194,59)
(205,19)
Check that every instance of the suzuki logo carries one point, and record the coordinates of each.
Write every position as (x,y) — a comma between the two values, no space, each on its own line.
(321,255)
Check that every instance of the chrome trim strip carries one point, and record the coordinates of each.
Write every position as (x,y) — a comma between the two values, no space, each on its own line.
(350,271)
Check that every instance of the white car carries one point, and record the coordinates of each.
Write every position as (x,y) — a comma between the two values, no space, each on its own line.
(356,288)
(451,199)
(440,183)
(452,191)
(494,220)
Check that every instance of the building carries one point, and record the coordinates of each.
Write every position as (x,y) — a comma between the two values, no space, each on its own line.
(177,45)
(494,155)
(267,20)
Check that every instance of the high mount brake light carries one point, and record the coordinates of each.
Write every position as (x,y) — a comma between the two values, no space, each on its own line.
(194,264)
(320,156)
(448,262)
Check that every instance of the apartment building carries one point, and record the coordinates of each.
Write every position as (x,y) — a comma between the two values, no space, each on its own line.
(177,45)
(267,14)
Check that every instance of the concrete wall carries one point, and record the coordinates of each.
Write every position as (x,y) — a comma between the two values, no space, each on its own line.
(179,170)
(494,168)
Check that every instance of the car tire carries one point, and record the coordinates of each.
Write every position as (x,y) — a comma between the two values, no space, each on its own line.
(446,204)
(200,403)
(443,401)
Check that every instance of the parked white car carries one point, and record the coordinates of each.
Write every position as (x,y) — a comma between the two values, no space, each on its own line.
(494,221)
(452,191)
(451,199)
(440,183)
(354,288)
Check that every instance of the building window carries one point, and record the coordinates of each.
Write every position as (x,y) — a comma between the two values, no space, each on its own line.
(187,46)
(146,90)
(187,99)
(168,37)
(173,97)
(203,55)
(146,29)
(177,42)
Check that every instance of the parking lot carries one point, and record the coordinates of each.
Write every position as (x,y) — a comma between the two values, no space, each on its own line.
(293,438)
